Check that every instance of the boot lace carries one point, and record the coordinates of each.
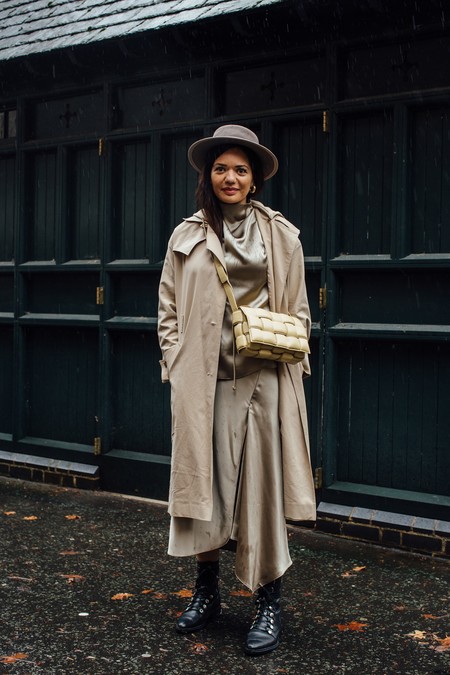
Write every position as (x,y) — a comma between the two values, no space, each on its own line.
(265,616)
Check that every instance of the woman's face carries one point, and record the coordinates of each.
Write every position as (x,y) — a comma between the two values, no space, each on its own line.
(232,177)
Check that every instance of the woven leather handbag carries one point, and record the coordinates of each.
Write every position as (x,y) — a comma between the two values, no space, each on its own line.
(263,334)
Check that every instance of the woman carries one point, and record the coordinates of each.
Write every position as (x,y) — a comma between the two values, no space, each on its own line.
(240,458)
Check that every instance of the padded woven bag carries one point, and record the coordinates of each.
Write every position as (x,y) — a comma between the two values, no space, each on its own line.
(263,334)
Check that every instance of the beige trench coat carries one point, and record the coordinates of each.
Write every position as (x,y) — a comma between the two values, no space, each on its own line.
(191,308)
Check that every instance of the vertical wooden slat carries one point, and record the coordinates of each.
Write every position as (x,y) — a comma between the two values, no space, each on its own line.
(84,198)
(300,181)
(42,201)
(6,379)
(430,181)
(7,205)
(366,184)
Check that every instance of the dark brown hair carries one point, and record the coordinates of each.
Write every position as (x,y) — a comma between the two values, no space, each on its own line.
(204,194)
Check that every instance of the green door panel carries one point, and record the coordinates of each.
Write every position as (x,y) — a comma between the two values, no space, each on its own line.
(61,384)
(393,424)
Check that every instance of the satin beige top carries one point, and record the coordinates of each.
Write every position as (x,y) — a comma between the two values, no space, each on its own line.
(246,261)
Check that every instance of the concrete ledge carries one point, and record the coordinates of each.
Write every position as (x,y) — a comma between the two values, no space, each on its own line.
(412,533)
(49,470)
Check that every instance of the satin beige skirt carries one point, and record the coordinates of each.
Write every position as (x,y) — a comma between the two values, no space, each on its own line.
(247,483)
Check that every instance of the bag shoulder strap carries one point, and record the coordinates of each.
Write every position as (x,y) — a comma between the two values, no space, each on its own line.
(223,276)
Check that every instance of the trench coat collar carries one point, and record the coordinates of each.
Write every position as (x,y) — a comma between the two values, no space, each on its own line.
(198,234)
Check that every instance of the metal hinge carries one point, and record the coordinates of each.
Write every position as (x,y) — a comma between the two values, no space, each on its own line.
(318,478)
(97,445)
(101,146)
(326,122)
(323,297)
(100,295)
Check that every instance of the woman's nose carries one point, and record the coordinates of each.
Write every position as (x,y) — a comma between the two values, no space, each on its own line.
(230,177)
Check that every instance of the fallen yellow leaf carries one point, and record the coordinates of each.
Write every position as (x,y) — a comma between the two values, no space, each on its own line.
(352,625)
(147,591)
(72,578)
(13,658)
(9,513)
(417,635)
(359,569)
(199,648)
(183,593)
(30,518)
(241,593)
(72,517)
(122,596)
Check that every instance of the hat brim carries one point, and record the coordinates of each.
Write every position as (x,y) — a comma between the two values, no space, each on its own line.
(198,151)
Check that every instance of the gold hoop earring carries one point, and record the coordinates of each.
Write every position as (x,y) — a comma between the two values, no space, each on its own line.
(252,190)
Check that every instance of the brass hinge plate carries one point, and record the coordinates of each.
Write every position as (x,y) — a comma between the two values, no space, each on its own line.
(326,122)
(101,146)
(318,478)
(97,445)
(100,295)
(322,298)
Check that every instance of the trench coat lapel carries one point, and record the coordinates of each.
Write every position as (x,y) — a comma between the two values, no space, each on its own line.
(281,241)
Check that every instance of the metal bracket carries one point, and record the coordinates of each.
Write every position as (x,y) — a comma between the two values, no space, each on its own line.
(100,295)
(323,297)
(97,445)
(318,478)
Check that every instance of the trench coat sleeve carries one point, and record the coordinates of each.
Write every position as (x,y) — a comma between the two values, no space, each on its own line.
(297,297)
(167,312)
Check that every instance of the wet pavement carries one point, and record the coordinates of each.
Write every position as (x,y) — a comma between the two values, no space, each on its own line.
(87,588)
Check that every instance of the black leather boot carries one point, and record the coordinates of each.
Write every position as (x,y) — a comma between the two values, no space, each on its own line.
(264,633)
(205,603)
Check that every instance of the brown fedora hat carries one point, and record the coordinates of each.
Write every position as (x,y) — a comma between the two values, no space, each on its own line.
(236,135)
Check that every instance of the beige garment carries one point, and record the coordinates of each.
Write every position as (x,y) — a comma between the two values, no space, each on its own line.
(247,467)
(247,486)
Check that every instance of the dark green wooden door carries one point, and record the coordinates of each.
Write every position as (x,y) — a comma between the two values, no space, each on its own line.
(388,312)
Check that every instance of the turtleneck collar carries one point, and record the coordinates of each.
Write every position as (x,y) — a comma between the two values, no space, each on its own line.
(235,213)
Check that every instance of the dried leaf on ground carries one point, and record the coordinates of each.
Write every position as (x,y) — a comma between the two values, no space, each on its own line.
(122,596)
(242,593)
(432,616)
(9,513)
(361,568)
(73,578)
(30,518)
(417,635)
(444,644)
(199,648)
(146,591)
(183,593)
(13,658)
(72,516)
(352,626)
(160,596)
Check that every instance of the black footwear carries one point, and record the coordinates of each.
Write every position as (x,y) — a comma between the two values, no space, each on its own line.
(205,603)
(264,633)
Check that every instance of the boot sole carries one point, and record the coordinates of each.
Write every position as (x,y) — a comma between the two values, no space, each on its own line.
(260,652)
(213,617)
